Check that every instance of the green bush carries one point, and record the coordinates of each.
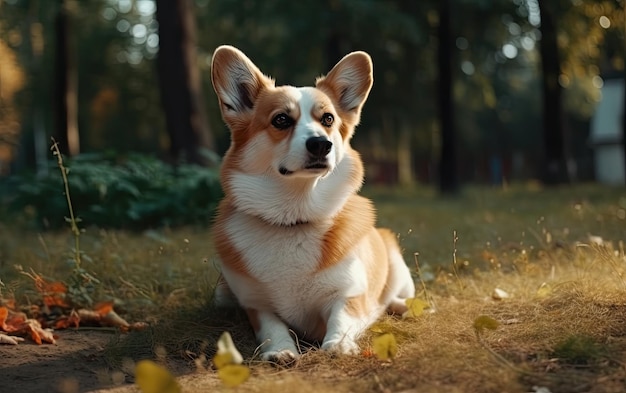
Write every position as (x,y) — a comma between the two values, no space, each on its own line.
(137,192)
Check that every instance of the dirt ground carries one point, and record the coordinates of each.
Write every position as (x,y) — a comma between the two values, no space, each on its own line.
(76,363)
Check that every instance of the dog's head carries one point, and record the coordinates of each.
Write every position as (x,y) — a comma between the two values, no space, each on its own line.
(286,131)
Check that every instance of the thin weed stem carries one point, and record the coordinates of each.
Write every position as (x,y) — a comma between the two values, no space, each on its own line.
(455,238)
(427,295)
(72,220)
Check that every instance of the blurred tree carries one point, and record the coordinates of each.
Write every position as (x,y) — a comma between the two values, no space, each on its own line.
(448,172)
(495,62)
(66,80)
(180,82)
(555,153)
(12,80)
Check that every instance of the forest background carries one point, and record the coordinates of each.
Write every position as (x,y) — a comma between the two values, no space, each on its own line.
(465,90)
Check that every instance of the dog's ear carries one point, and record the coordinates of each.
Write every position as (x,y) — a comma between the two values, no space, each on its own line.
(236,80)
(349,82)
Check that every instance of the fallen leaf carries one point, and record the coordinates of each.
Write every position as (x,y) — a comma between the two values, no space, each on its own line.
(103,308)
(66,321)
(380,327)
(233,375)
(37,333)
(53,293)
(416,308)
(485,322)
(228,361)
(89,316)
(225,345)
(10,340)
(113,319)
(153,378)
(544,290)
(4,314)
(103,314)
(499,294)
(222,360)
(385,346)
(13,321)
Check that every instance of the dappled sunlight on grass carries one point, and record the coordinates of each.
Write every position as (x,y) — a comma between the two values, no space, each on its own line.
(547,265)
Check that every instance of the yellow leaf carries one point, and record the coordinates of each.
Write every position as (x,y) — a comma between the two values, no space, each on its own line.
(544,290)
(380,327)
(225,345)
(233,374)
(416,308)
(385,346)
(485,322)
(222,359)
(228,361)
(153,378)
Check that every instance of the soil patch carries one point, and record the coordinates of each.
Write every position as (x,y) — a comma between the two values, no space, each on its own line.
(75,363)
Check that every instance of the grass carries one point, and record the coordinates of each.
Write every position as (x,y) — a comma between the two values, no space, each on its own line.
(558,254)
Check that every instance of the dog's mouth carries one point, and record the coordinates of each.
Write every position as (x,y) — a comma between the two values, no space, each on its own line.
(314,166)
(284,171)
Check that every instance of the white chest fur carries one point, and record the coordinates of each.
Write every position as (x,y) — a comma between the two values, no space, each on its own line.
(283,263)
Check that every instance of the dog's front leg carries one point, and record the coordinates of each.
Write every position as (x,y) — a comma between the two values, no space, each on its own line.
(344,327)
(272,334)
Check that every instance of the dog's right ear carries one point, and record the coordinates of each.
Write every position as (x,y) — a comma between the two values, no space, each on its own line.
(236,80)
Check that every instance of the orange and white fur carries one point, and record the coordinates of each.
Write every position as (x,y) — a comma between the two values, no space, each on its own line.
(298,246)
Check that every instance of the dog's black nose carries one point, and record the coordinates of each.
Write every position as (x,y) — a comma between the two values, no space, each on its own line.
(318,146)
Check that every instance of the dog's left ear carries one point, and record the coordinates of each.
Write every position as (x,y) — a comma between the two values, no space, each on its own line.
(236,80)
(349,82)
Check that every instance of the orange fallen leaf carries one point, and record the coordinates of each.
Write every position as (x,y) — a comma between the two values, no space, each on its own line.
(103,314)
(11,321)
(113,319)
(53,293)
(89,316)
(4,313)
(37,333)
(67,321)
(108,316)
(103,308)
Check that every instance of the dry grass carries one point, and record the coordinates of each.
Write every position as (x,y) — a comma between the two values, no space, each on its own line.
(563,326)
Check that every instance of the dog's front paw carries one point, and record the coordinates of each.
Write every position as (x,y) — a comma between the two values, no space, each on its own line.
(284,358)
(344,346)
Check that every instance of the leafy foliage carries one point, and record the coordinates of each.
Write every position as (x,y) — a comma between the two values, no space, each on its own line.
(138,192)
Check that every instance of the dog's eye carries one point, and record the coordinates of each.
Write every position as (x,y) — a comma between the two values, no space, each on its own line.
(282,121)
(327,119)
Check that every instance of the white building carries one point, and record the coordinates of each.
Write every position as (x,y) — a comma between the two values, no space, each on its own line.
(606,133)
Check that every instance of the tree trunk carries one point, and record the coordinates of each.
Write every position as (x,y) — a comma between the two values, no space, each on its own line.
(624,101)
(405,157)
(180,82)
(66,91)
(448,176)
(555,160)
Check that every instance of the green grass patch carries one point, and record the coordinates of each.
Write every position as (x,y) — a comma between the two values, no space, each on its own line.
(557,253)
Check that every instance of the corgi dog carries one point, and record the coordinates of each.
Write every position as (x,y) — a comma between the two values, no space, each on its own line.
(297,246)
